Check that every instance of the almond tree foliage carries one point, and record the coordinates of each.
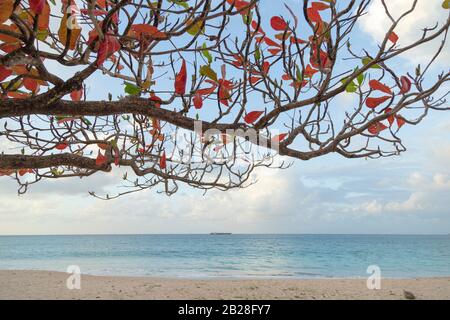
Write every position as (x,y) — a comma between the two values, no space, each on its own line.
(217,61)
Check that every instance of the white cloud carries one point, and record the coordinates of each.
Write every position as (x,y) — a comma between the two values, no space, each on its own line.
(426,14)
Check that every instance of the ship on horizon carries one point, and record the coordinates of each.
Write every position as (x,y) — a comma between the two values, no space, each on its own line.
(220,233)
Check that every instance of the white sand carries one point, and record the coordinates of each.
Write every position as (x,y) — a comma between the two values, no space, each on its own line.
(52,285)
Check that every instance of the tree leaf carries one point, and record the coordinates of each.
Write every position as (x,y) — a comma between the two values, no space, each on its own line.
(375,102)
(377,85)
(132,89)
(208,72)
(251,117)
(6,9)
(278,24)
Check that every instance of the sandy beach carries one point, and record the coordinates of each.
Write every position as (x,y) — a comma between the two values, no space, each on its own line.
(52,285)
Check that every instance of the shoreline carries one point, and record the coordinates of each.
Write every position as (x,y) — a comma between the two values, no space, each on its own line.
(31,284)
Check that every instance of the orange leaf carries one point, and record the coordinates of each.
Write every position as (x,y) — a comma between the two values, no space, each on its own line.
(75,32)
(4,73)
(6,8)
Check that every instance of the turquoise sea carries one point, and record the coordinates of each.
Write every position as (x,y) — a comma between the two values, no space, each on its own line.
(241,256)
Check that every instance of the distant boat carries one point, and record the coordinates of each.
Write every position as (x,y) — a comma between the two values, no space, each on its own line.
(220,233)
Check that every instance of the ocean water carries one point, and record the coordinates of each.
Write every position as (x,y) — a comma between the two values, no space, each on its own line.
(241,256)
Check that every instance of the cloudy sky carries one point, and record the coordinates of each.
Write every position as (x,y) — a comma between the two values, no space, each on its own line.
(406,194)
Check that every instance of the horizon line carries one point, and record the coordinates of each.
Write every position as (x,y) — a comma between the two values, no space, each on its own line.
(209,233)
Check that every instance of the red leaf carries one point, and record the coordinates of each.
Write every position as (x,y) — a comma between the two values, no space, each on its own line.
(309,71)
(393,37)
(377,85)
(116,156)
(22,172)
(391,118)
(377,128)
(266,67)
(106,48)
(148,30)
(375,102)
(180,80)
(278,23)
(313,15)
(31,84)
(252,116)
(400,121)
(406,84)
(256,27)
(37,6)
(94,12)
(254,80)
(4,73)
(101,159)
(274,51)
(297,40)
(271,43)
(76,95)
(207,91)
(163,161)
(279,137)
(319,6)
(198,101)
(157,100)
(61,146)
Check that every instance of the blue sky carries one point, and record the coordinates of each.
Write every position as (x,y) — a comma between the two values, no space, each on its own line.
(405,194)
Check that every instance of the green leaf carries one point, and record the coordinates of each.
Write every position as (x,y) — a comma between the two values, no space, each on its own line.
(298,74)
(208,72)
(351,87)
(180,3)
(42,34)
(194,29)
(368,60)
(360,78)
(132,89)
(257,53)
(206,54)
